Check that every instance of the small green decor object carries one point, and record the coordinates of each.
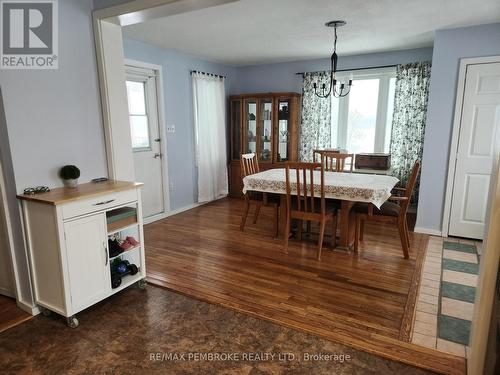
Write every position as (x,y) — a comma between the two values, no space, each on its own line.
(70,175)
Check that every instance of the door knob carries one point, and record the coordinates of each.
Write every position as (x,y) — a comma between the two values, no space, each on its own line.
(157,156)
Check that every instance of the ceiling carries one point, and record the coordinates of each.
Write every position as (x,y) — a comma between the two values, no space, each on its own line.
(250,32)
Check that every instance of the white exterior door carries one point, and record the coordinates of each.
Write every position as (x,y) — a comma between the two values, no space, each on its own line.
(477,150)
(88,260)
(142,86)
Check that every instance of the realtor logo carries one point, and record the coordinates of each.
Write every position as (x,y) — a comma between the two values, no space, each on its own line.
(29,34)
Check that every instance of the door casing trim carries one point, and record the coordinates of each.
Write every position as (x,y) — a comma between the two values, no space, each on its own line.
(464,62)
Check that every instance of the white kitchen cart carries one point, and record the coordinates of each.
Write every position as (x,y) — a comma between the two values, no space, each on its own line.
(67,238)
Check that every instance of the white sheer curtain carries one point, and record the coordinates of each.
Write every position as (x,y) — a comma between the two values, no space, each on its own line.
(209,102)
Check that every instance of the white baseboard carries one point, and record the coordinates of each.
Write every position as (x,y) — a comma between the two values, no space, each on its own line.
(432,232)
(7,292)
(177,211)
(154,218)
(33,310)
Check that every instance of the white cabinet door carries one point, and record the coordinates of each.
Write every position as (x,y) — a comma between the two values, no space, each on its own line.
(477,149)
(87,257)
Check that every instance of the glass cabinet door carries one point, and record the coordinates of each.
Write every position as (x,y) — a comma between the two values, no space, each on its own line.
(266,130)
(283,130)
(236,128)
(251,127)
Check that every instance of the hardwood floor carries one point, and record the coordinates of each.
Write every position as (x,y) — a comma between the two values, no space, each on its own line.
(10,314)
(363,300)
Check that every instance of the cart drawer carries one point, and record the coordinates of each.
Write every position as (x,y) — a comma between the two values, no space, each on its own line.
(99,203)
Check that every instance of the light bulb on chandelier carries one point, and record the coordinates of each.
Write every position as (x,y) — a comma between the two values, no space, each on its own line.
(335,88)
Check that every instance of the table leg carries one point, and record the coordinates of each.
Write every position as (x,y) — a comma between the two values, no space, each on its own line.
(347,225)
(282,218)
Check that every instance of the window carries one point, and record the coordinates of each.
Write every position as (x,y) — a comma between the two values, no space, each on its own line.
(362,121)
(138,114)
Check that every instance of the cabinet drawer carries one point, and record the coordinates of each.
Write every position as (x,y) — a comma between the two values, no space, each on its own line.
(99,203)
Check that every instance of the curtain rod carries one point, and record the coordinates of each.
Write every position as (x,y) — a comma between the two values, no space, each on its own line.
(350,70)
(208,74)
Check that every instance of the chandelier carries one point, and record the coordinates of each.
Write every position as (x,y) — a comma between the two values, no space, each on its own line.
(337,89)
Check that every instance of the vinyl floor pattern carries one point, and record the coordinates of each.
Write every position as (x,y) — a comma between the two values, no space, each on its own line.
(154,331)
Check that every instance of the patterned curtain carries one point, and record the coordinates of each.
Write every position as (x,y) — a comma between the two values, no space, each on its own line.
(408,123)
(315,131)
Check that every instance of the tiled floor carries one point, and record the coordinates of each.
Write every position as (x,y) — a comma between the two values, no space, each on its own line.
(446,297)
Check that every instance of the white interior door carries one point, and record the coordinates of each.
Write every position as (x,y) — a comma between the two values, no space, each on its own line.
(477,150)
(142,92)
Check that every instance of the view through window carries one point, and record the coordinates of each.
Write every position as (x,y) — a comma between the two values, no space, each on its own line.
(137,106)
(362,121)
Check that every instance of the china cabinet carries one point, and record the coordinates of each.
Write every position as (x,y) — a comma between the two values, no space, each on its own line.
(264,124)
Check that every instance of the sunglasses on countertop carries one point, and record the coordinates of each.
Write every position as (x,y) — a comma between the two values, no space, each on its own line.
(36,190)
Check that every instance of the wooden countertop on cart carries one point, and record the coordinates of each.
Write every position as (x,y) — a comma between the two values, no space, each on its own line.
(82,191)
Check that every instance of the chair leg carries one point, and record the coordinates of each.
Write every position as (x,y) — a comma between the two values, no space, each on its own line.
(357,230)
(299,229)
(361,229)
(407,234)
(257,210)
(334,231)
(404,241)
(276,221)
(287,232)
(321,234)
(245,214)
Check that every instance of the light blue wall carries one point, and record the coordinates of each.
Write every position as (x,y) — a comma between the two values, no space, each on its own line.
(281,76)
(179,112)
(54,116)
(449,46)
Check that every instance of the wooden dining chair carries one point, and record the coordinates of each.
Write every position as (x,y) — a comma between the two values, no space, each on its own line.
(393,212)
(318,154)
(336,162)
(306,204)
(250,165)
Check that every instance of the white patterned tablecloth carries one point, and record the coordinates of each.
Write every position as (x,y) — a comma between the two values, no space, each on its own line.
(355,187)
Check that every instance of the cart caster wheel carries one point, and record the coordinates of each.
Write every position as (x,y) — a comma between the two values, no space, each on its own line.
(72,322)
(46,312)
(142,284)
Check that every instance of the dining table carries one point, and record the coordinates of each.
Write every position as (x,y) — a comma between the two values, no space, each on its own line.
(348,188)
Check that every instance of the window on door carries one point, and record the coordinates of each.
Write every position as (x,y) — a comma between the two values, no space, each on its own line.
(362,121)
(138,114)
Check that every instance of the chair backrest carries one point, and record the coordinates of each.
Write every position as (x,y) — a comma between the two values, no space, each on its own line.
(319,153)
(249,164)
(304,181)
(336,162)
(412,180)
